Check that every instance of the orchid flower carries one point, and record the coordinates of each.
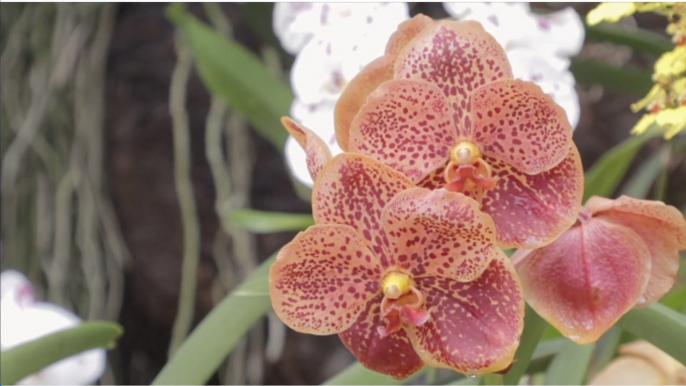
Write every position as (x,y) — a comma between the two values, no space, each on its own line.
(441,107)
(538,46)
(333,42)
(24,319)
(405,275)
(621,254)
(641,363)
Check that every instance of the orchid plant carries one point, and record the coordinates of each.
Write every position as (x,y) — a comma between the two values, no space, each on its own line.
(446,158)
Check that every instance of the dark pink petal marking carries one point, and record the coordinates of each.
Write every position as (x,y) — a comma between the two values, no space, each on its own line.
(517,122)
(532,210)
(474,327)
(407,125)
(392,354)
(322,280)
(436,232)
(587,279)
(353,189)
(457,57)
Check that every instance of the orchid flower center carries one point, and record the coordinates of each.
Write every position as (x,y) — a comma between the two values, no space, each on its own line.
(402,303)
(396,284)
(465,153)
(467,169)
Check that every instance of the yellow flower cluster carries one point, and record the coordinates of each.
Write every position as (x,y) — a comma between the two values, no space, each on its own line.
(666,101)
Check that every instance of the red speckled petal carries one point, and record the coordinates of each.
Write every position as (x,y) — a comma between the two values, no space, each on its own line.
(322,280)
(517,122)
(587,279)
(371,76)
(407,125)
(661,227)
(318,153)
(436,232)
(406,31)
(457,57)
(353,189)
(392,355)
(531,211)
(474,327)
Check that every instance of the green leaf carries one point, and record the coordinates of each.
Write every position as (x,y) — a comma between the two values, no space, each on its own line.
(636,38)
(235,74)
(208,345)
(534,326)
(659,325)
(258,221)
(569,366)
(623,79)
(605,350)
(31,357)
(639,185)
(493,379)
(606,174)
(675,299)
(356,374)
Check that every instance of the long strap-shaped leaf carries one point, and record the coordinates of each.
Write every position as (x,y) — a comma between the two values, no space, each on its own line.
(661,326)
(209,344)
(235,74)
(31,357)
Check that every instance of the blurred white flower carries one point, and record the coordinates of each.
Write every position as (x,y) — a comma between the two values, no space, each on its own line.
(332,43)
(23,319)
(538,45)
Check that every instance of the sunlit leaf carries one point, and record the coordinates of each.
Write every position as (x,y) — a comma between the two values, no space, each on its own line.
(31,357)
(258,221)
(675,299)
(235,74)
(569,366)
(659,325)
(207,346)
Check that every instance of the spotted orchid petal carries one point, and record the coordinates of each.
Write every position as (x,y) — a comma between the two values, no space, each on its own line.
(371,76)
(532,210)
(439,233)
(392,354)
(661,227)
(518,123)
(353,189)
(587,279)
(474,327)
(506,22)
(407,125)
(458,57)
(550,73)
(322,280)
(317,152)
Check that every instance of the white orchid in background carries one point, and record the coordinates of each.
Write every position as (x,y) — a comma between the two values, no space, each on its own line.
(538,45)
(23,319)
(332,42)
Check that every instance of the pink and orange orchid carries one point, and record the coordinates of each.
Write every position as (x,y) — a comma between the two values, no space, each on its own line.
(620,254)
(406,275)
(442,107)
